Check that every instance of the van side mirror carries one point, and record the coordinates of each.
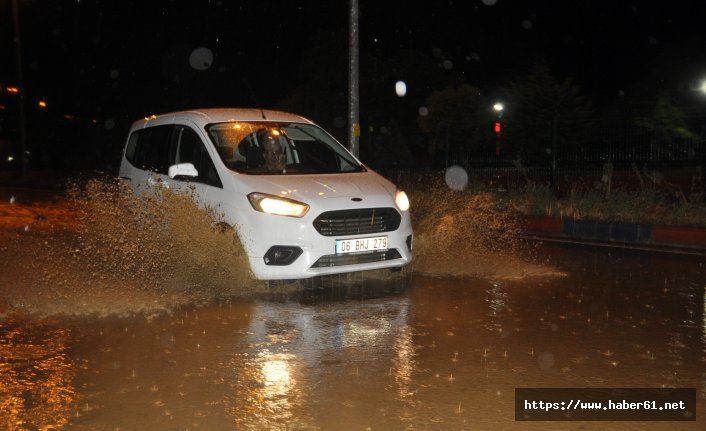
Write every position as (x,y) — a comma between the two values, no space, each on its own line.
(183,170)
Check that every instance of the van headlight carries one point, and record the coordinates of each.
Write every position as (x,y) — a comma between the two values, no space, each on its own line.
(401,200)
(276,205)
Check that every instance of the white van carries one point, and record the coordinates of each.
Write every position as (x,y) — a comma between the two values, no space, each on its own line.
(300,202)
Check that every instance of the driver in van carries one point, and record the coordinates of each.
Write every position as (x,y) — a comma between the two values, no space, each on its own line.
(271,141)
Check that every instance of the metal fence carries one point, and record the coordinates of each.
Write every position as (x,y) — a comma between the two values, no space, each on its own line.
(631,150)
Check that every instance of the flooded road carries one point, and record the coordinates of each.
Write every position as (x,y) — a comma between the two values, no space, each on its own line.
(419,352)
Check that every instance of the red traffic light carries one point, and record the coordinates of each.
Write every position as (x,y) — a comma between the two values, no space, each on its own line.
(497,127)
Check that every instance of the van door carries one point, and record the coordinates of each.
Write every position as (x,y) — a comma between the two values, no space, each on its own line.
(189,148)
(148,152)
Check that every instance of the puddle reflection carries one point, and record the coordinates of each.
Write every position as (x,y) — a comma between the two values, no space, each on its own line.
(36,376)
(433,353)
(301,360)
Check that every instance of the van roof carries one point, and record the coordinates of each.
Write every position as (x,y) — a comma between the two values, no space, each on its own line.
(203,117)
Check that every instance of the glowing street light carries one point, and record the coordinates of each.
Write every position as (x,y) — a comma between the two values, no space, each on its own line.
(497,126)
(702,88)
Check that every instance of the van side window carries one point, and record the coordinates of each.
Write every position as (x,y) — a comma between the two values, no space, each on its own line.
(190,149)
(151,150)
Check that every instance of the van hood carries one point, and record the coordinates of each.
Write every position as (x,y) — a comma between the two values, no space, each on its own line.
(313,187)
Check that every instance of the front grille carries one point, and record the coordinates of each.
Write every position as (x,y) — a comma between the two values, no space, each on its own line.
(352,259)
(357,221)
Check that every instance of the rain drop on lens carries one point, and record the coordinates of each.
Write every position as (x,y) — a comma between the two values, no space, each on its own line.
(201,58)
(456,178)
(400,88)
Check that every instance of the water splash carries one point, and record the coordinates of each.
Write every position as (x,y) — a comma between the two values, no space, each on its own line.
(103,250)
(159,239)
(467,234)
(124,254)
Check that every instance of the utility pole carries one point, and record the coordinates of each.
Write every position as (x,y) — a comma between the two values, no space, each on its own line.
(353,81)
(555,137)
(21,88)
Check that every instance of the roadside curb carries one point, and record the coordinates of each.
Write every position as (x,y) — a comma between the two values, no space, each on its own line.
(616,234)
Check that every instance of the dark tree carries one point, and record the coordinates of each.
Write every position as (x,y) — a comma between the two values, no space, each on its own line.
(458,123)
(534,104)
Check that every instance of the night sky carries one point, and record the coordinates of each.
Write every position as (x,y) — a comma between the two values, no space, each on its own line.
(123,60)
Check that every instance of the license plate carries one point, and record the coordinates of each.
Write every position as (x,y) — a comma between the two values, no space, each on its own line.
(361,244)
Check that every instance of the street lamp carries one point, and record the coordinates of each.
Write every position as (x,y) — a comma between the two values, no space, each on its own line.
(498,108)
(702,88)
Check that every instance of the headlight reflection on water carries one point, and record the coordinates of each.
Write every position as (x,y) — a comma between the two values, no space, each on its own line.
(265,393)
(276,375)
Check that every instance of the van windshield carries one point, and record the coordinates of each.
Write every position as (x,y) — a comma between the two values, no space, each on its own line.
(269,148)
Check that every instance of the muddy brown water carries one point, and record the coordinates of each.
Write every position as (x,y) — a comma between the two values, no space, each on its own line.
(113,320)
(415,352)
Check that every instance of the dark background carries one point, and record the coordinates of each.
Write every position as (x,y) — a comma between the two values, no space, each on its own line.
(100,65)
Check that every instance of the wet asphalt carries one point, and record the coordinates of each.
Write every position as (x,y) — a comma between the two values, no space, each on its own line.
(406,352)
